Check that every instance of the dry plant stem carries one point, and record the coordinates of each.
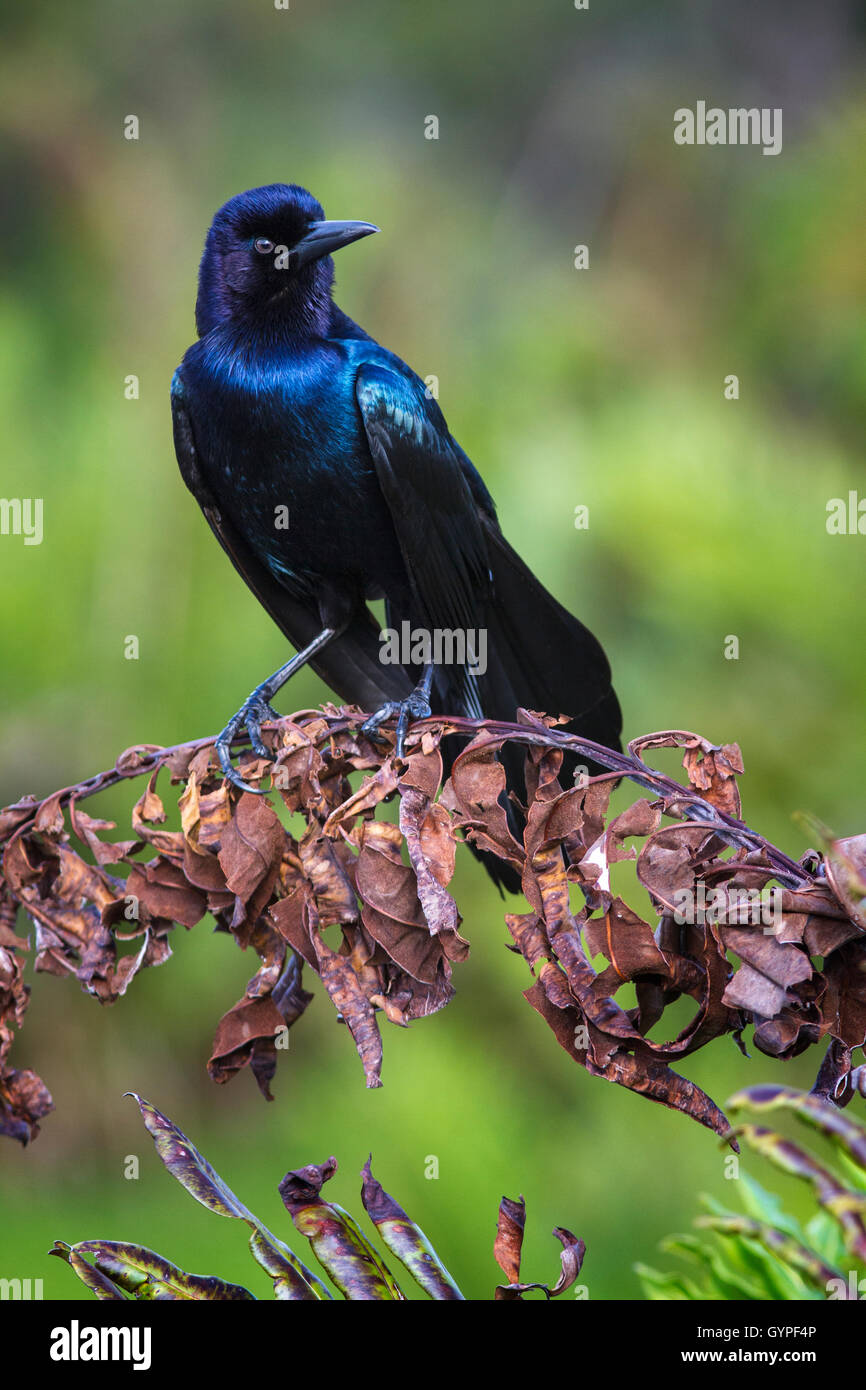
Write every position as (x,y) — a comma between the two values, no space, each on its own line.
(692,807)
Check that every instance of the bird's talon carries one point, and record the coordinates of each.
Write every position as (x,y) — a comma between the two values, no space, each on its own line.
(259,748)
(415,706)
(375,736)
(250,717)
(371,728)
(237,781)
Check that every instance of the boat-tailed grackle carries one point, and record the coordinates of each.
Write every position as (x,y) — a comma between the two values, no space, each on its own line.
(286,410)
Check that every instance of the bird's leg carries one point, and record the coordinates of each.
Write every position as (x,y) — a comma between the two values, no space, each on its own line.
(257,708)
(415,706)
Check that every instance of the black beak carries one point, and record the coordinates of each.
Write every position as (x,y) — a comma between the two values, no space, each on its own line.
(324,237)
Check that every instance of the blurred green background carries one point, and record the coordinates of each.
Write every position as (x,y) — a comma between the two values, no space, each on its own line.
(602,387)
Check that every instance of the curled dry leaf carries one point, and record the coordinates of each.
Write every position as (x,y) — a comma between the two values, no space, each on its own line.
(754,939)
(508,1248)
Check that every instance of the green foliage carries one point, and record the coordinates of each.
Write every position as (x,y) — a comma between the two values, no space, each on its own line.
(764,1252)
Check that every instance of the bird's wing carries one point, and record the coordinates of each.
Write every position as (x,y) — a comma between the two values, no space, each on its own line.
(350,664)
(435,516)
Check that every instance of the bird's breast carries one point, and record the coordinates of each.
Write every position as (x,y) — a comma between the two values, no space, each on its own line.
(287,457)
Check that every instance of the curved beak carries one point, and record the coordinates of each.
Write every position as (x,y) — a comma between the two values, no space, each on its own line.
(324,237)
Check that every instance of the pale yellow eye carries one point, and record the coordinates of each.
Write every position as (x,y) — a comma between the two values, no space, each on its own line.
(264,246)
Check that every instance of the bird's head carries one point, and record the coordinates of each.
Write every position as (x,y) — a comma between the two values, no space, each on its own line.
(268,251)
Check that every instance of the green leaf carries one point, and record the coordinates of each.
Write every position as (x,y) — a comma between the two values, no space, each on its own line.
(671,1288)
(826,1239)
(727,1281)
(767,1208)
(847,1207)
(780,1281)
(779,1260)
(289,1285)
(850,1170)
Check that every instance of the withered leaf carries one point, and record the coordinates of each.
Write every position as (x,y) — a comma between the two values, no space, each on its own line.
(13,816)
(24,1101)
(354,1008)
(670,862)
(295,918)
(104,851)
(800,982)
(844,1006)
(368,796)
(144,1274)
(508,1246)
(191,1169)
(246,1036)
(204,815)
(507,1250)
(784,964)
(389,892)
(846,871)
(164,891)
(627,942)
(431,844)
(476,793)
(328,876)
(714,771)
(645,1074)
(251,847)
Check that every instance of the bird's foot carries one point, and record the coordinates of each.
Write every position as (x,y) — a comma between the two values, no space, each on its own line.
(415,706)
(251,715)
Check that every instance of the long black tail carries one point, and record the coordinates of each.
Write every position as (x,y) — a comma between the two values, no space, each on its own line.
(541,657)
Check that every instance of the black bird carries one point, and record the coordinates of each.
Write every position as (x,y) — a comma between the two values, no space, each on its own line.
(285,411)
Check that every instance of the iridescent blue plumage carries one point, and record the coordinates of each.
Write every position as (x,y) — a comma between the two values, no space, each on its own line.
(286,408)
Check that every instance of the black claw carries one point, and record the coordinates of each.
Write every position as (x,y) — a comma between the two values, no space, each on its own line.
(258,747)
(249,717)
(371,726)
(237,780)
(375,735)
(415,706)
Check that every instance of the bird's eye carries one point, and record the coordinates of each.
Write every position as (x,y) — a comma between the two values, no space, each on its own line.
(263,245)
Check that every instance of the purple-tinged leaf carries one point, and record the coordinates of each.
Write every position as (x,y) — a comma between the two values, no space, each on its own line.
(406,1240)
(192,1171)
